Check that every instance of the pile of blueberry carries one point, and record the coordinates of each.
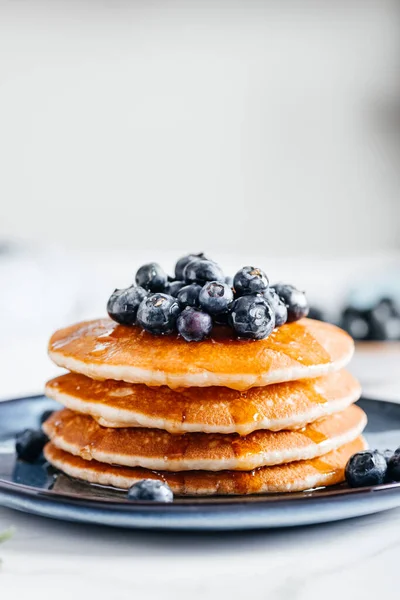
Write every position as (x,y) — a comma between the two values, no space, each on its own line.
(200,296)
(371,467)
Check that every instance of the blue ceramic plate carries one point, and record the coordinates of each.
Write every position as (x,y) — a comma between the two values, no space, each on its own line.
(39,490)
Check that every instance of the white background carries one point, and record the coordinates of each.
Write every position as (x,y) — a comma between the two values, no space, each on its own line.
(237,126)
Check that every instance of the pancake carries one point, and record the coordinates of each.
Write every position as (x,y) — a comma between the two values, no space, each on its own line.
(210,410)
(159,450)
(102,349)
(291,477)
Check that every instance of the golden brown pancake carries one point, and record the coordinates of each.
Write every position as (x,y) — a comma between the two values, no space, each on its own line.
(159,450)
(291,477)
(211,410)
(102,349)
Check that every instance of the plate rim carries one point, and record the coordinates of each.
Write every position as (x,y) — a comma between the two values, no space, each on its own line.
(211,513)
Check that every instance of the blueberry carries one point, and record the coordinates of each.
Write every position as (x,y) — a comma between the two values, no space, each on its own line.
(366,468)
(215,298)
(229,280)
(356,323)
(252,317)
(189,295)
(175,287)
(151,277)
(182,262)
(194,325)
(393,473)
(201,271)
(45,415)
(295,300)
(386,308)
(157,313)
(384,321)
(387,454)
(29,444)
(250,280)
(222,319)
(123,305)
(151,490)
(278,305)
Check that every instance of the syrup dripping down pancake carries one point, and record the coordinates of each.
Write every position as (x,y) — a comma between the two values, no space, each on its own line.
(102,349)
(210,410)
(159,450)
(292,477)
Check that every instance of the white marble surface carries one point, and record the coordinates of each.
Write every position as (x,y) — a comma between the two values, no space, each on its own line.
(350,559)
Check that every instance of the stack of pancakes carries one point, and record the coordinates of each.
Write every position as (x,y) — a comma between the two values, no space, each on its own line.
(220,416)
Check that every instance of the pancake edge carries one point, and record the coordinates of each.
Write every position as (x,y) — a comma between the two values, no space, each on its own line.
(264,459)
(107,416)
(240,382)
(113,479)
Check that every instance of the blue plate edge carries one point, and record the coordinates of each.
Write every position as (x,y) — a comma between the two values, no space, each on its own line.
(229,513)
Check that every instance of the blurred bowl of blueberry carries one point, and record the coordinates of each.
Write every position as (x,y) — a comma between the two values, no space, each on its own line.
(371,312)
(379,323)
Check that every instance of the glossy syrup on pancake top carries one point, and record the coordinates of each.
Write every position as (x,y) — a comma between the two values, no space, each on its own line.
(103,349)
(287,405)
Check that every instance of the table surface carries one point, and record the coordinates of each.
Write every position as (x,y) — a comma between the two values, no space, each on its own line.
(349,558)
(356,558)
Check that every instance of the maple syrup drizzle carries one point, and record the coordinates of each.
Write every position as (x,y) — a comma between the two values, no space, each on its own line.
(308,386)
(104,341)
(323,466)
(313,434)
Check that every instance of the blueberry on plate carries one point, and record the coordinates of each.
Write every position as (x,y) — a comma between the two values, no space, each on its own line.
(250,280)
(252,317)
(174,288)
(182,262)
(157,313)
(393,473)
(29,444)
(278,305)
(150,490)
(123,305)
(201,271)
(366,468)
(189,295)
(295,300)
(45,415)
(194,325)
(151,277)
(215,298)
